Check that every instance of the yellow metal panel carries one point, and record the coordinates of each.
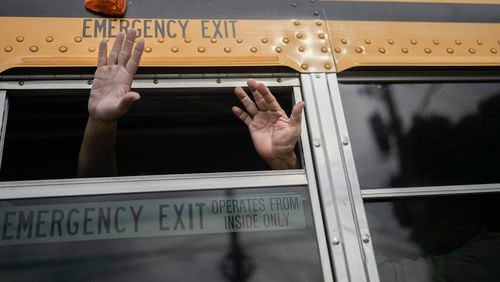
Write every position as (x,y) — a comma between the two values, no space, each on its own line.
(44,42)
(357,43)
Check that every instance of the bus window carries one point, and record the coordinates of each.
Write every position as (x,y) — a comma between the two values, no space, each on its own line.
(445,238)
(258,234)
(424,134)
(169,131)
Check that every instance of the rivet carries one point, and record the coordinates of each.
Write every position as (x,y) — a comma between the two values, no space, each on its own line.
(344,41)
(345,141)
(63,49)
(301,49)
(321,36)
(296,22)
(299,35)
(33,48)
(312,1)
(78,39)
(294,4)
(458,42)
(359,50)
(335,241)
(286,40)
(253,49)
(174,49)
(479,42)
(239,40)
(201,49)
(368,41)
(316,13)
(337,50)
(450,50)
(428,50)
(218,80)
(304,66)
(21,82)
(161,40)
(213,40)
(472,51)
(89,82)
(148,49)
(264,40)
(405,50)
(493,51)
(316,143)
(365,238)
(278,49)
(279,80)
(227,49)
(19,39)
(325,49)
(7,49)
(413,42)
(155,81)
(435,41)
(49,38)
(318,23)
(381,50)
(187,40)
(391,42)
(328,66)
(91,49)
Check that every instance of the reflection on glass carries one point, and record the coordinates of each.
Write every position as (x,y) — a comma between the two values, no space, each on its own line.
(424,134)
(434,239)
(175,236)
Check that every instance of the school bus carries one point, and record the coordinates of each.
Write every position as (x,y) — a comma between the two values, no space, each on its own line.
(399,150)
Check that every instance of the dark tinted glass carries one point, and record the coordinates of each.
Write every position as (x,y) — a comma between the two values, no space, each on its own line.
(167,131)
(233,235)
(433,239)
(424,134)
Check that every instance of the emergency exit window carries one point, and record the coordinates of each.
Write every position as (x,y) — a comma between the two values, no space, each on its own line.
(264,234)
(167,131)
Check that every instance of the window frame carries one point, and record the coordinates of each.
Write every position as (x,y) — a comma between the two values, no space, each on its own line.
(179,182)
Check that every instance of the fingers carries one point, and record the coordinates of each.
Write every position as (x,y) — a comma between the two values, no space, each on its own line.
(133,62)
(103,53)
(296,116)
(242,115)
(260,89)
(117,46)
(259,100)
(124,54)
(246,101)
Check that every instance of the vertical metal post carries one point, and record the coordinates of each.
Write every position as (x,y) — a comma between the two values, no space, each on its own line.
(4,107)
(355,189)
(322,241)
(333,182)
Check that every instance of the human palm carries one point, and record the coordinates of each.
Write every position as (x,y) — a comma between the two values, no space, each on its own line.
(273,133)
(110,97)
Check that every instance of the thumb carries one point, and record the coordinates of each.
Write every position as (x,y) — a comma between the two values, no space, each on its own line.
(128,100)
(296,116)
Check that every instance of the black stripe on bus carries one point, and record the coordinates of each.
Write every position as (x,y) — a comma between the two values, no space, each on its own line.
(266,9)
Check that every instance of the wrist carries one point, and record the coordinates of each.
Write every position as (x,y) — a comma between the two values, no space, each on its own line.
(283,162)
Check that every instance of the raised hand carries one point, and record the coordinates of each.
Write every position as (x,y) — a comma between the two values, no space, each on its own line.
(273,133)
(110,97)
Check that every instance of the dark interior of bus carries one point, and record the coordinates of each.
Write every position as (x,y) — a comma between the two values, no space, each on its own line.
(168,131)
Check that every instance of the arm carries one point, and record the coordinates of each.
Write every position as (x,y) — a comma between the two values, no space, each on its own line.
(273,133)
(110,98)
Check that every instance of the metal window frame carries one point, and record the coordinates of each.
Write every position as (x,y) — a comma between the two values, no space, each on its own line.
(165,183)
(360,195)
(4,108)
(352,254)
